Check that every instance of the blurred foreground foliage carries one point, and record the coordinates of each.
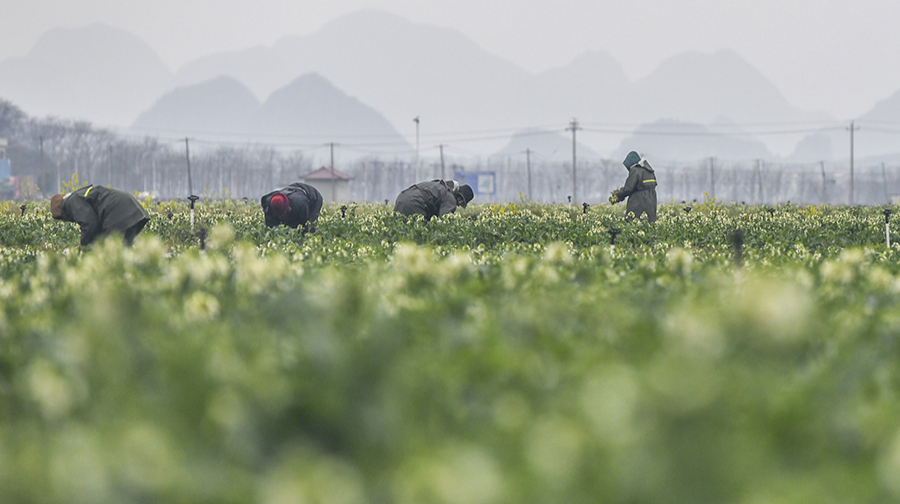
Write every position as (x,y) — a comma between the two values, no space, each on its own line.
(507,354)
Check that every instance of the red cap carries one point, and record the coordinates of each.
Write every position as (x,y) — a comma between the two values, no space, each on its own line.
(279,204)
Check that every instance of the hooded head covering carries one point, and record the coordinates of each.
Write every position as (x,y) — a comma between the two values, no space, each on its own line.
(56,206)
(465,190)
(631,159)
(279,204)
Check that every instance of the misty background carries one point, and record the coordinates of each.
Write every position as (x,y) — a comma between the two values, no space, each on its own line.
(388,100)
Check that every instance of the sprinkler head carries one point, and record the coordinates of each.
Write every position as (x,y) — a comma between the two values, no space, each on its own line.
(201,233)
(612,235)
(739,247)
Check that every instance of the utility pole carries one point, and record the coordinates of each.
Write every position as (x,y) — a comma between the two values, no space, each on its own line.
(852,129)
(109,168)
(824,183)
(416,120)
(58,183)
(442,161)
(333,189)
(759,181)
(187,153)
(191,196)
(528,169)
(887,199)
(573,126)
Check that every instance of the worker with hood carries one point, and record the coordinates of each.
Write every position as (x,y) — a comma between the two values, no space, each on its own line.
(100,211)
(295,205)
(433,198)
(639,188)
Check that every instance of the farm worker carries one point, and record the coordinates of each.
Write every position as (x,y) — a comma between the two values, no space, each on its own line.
(433,198)
(639,188)
(100,211)
(295,205)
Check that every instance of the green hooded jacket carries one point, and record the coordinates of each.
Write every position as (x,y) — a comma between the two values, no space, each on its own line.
(101,210)
(429,199)
(640,189)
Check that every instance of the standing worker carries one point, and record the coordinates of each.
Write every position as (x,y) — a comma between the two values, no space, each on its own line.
(639,188)
(100,211)
(433,198)
(295,205)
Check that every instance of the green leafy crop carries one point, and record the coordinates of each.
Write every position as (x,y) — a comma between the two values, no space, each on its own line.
(504,354)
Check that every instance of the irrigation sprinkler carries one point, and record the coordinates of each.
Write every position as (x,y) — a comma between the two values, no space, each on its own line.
(193,198)
(23,207)
(343,212)
(201,233)
(585,205)
(612,235)
(739,247)
(887,227)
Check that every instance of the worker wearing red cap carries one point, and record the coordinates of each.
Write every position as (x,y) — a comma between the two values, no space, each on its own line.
(295,205)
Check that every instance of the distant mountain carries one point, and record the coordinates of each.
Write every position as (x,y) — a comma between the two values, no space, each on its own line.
(698,88)
(544,145)
(311,109)
(593,81)
(879,129)
(682,141)
(96,73)
(402,69)
(407,70)
(221,108)
(384,63)
(307,112)
(258,68)
(876,137)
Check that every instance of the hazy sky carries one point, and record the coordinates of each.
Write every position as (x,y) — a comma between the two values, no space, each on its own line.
(835,56)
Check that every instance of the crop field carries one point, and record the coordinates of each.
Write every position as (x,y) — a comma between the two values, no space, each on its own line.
(505,354)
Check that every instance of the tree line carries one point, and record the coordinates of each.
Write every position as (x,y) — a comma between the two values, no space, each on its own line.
(47,153)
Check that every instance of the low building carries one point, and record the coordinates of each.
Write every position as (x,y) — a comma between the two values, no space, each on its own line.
(333,184)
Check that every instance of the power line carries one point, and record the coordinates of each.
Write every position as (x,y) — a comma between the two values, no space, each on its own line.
(710,133)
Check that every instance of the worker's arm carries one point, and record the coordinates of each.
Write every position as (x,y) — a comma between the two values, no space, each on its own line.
(634,177)
(447,204)
(85,216)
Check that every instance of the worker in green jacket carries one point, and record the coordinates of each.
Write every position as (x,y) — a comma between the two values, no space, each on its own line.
(434,198)
(639,188)
(100,211)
